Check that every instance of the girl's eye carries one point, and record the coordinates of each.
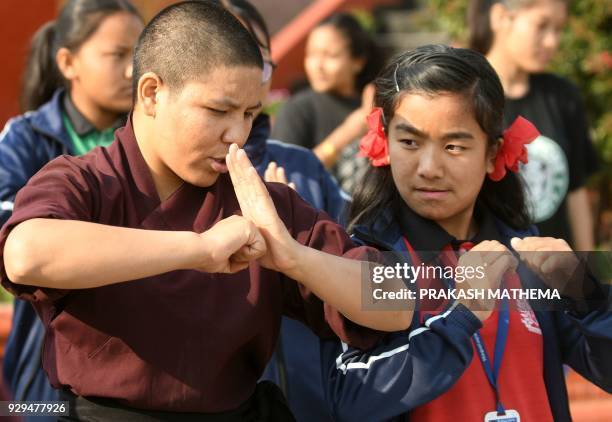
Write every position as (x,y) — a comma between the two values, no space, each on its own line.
(455,148)
(249,115)
(216,111)
(411,143)
(546,25)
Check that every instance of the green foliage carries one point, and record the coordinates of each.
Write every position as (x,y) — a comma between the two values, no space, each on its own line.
(449,16)
(365,18)
(585,57)
(5,297)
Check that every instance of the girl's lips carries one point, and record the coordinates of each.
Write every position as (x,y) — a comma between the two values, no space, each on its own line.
(432,194)
(218,165)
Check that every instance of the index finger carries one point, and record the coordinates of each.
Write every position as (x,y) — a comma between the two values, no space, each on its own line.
(252,194)
(236,175)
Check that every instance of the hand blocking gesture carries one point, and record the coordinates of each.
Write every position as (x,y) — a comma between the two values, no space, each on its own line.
(237,240)
(284,254)
(495,260)
(257,206)
(233,242)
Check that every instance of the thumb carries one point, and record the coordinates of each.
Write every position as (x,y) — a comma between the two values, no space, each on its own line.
(254,248)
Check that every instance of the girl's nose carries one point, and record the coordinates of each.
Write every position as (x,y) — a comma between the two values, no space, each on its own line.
(429,166)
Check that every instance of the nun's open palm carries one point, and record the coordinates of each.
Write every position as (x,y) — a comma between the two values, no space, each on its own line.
(257,206)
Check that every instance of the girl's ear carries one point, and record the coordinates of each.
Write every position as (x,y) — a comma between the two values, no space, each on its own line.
(66,62)
(498,17)
(358,65)
(492,155)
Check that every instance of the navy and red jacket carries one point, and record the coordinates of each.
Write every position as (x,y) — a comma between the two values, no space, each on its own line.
(410,368)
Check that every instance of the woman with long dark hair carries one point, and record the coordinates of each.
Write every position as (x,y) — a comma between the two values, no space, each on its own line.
(77,90)
(520,38)
(329,117)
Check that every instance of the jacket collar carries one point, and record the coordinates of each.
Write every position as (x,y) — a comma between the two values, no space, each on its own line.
(429,238)
(425,235)
(81,125)
(48,120)
(385,233)
(255,146)
(137,167)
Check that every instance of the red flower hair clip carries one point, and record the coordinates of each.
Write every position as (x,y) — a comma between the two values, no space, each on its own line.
(374,144)
(513,150)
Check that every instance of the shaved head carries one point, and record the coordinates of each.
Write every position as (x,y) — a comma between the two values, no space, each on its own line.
(187,40)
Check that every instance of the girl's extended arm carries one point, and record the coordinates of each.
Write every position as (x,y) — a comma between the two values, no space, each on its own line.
(352,128)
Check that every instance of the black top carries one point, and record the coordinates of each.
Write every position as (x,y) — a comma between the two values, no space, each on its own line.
(562,158)
(309,117)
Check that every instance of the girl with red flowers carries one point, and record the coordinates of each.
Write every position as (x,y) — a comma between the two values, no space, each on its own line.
(443,182)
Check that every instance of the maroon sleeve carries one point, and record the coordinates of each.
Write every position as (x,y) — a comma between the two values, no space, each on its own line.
(317,230)
(62,190)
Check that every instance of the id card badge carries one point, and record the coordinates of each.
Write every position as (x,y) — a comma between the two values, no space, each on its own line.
(510,416)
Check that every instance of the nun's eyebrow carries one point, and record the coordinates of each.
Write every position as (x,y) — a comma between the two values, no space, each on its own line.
(231,104)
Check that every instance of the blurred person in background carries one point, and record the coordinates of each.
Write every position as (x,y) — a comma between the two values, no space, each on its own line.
(329,117)
(296,363)
(520,38)
(76,91)
(274,160)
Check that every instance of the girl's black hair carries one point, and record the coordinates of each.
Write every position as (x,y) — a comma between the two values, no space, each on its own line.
(480,33)
(434,69)
(361,45)
(77,21)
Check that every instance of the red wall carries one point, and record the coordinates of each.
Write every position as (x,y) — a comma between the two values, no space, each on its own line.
(20,19)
